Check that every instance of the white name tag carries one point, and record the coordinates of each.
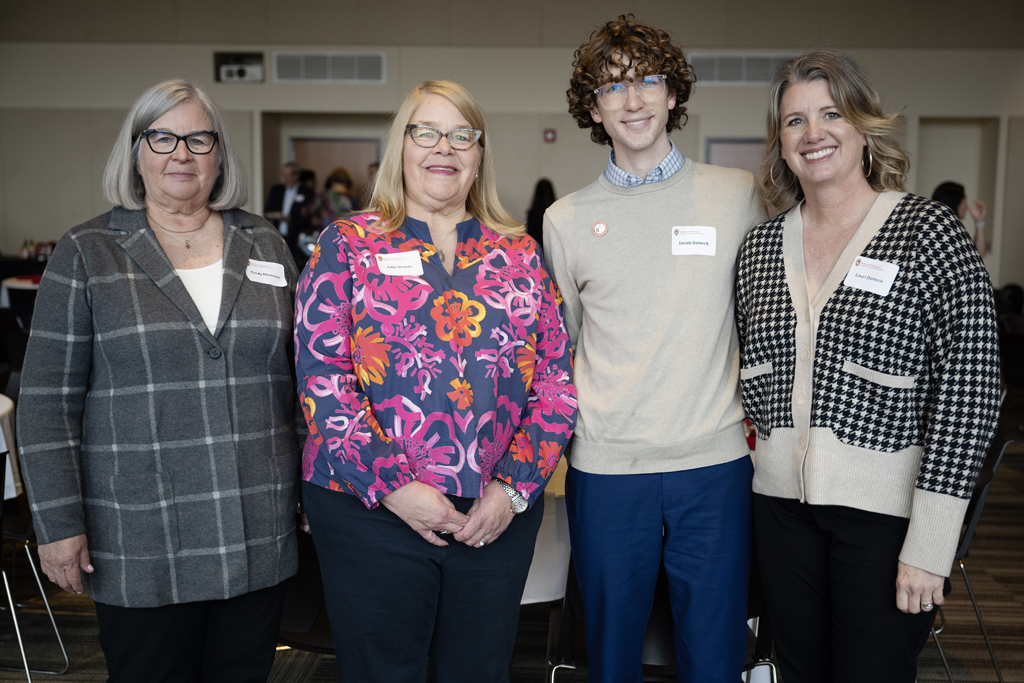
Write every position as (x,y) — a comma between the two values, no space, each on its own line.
(402,263)
(872,275)
(266,272)
(694,240)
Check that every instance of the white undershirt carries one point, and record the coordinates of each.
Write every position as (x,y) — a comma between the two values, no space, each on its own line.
(205,286)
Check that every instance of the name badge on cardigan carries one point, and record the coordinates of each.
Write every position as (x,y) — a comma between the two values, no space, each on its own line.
(872,275)
(266,272)
(694,240)
(400,263)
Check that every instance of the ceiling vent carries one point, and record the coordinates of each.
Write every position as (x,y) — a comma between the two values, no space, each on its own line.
(329,67)
(744,69)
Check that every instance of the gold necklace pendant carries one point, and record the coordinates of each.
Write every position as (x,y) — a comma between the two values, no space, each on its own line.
(441,252)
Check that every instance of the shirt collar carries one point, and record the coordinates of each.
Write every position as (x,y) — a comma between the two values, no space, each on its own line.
(668,167)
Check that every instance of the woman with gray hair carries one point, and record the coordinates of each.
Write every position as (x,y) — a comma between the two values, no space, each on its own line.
(156,420)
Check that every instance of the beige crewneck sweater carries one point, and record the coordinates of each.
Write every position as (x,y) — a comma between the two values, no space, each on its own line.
(657,362)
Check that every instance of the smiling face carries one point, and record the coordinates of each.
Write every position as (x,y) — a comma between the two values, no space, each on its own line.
(637,128)
(437,179)
(819,145)
(179,180)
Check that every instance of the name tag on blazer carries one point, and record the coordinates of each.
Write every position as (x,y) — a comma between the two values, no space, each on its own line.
(266,272)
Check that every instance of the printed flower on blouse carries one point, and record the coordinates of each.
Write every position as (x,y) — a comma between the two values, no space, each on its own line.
(457,318)
(462,394)
(521,448)
(507,280)
(314,258)
(526,358)
(548,460)
(370,356)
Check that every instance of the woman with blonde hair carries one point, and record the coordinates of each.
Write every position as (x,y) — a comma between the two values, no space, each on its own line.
(435,375)
(870,369)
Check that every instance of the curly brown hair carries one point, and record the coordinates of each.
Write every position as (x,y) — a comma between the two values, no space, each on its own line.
(623,43)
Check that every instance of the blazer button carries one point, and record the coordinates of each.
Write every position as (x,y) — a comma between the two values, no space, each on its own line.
(215,353)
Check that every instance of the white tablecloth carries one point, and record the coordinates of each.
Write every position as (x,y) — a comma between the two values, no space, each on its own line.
(550,567)
(13,283)
(12,483)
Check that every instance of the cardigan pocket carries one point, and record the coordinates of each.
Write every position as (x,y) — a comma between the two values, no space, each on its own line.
(875,410)
(143,522)
(757,383)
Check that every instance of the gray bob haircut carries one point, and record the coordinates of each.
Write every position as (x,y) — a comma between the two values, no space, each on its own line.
(122,184)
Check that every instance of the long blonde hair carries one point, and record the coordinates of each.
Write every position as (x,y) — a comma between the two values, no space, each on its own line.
(388,197)
(857,101)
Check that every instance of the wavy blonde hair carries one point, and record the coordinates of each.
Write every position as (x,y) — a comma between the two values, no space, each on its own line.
(388,197)
(857,101)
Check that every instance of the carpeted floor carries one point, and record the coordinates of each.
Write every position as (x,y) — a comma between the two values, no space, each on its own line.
(995,567)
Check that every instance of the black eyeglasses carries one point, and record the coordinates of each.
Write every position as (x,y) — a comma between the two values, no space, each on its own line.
(163,142)
(460,138)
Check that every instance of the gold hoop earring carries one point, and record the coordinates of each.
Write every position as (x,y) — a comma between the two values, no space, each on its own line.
(771,175)
(871,162)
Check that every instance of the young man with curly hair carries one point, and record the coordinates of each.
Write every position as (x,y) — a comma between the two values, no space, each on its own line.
(645,258)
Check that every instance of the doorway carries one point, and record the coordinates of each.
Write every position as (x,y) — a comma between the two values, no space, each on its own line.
(322,156)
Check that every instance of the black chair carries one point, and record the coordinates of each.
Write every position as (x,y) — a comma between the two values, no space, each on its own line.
(759,640)
(1010,429)
(18,530)
(7,586)
(304,622)
(567,641)
(13,342)
(23,303)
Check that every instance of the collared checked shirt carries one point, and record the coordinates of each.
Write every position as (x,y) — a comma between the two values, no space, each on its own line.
(668,167)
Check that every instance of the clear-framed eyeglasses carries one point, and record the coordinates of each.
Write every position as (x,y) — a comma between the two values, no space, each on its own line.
(164,142)
(459,138)
(648,88)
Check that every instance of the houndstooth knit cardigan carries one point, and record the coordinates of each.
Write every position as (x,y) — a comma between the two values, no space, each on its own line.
(904,388)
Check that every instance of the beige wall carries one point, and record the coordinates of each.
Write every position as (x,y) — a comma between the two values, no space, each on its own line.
(526,23)
(62,101)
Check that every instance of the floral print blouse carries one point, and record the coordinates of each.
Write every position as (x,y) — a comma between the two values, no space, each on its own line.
(451,380)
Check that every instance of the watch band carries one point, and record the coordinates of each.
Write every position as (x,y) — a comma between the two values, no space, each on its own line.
(516,498)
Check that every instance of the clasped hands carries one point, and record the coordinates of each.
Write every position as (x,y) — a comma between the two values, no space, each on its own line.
(426,510)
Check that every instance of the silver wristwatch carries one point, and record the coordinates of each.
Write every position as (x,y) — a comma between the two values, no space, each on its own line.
(519,503)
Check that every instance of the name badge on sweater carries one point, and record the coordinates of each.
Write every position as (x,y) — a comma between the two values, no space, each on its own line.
(694,240)
(872,275)
(401,263)
(266,272)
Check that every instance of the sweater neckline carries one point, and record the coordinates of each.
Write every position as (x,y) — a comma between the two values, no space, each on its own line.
(685,171)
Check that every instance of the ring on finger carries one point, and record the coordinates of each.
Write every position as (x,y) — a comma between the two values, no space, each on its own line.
(481,544)
(927,605)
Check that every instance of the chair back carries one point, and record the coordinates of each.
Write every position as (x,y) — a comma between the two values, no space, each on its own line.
(1009,429)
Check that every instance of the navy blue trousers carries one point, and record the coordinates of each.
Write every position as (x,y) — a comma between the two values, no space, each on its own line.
(696,523)
(397,602)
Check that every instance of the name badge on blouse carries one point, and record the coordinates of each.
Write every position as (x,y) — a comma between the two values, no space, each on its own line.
(872,275)
(266,272)
(401,263)
(694,240)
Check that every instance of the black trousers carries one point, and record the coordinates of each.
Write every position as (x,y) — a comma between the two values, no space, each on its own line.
(829,577)
(396,602)
(213,641)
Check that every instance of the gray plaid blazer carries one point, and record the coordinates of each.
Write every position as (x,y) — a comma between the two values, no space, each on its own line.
(171,447)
